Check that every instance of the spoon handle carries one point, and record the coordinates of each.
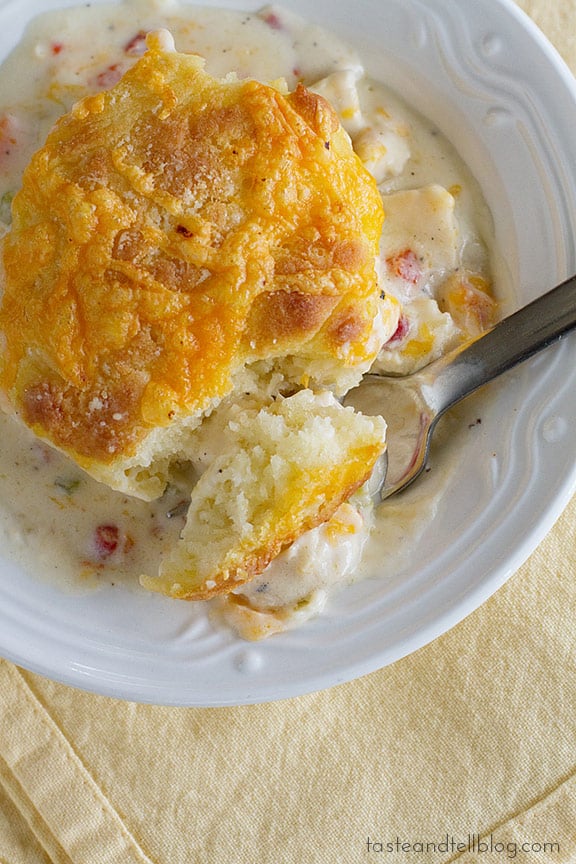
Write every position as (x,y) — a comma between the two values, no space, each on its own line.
(513,340)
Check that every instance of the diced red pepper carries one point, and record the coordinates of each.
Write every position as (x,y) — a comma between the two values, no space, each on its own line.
(137,45)
(57,47)
(273,21)
(401,330)
(406,265)
(109,76)
(106,540)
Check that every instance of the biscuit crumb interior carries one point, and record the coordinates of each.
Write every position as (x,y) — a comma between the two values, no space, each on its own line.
(291,465)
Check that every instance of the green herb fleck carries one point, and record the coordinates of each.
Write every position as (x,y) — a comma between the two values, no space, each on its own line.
(67,484)
(6,207)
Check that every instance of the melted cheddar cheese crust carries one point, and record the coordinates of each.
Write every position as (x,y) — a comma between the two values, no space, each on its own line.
(172,231)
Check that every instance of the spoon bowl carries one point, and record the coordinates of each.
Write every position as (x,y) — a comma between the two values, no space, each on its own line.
(412,405)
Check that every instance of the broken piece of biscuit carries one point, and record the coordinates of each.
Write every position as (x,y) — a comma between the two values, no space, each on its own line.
(292,464)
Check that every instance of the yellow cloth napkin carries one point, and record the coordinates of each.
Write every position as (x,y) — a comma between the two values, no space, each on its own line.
(463,751)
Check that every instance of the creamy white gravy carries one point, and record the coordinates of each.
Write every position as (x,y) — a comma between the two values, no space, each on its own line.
(55,520)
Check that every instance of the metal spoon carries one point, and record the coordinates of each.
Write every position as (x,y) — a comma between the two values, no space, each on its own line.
(412,405)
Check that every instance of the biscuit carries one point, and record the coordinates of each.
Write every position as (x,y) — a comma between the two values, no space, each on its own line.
(174,233)
(291,466)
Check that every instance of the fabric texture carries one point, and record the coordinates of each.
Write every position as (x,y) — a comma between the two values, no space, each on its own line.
(464,751)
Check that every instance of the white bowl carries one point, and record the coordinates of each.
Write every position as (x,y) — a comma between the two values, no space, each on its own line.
(486,76)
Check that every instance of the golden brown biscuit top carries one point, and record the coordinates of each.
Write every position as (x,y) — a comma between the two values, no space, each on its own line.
(170,231)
